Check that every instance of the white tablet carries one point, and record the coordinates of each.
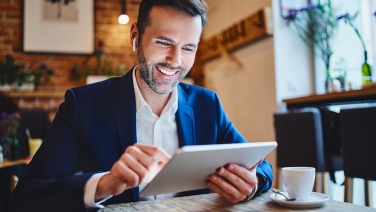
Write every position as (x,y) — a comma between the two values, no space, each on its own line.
(191,165)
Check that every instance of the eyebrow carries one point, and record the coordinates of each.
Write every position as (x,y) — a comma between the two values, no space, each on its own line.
(172,41)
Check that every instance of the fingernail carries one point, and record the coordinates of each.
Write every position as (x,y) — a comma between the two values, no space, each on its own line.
(220,171)
(214,178)
(230,167)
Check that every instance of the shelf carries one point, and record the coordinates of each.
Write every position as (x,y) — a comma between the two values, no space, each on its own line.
(37,94)
(346,97)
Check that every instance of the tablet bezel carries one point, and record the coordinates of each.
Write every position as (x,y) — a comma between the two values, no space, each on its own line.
(191,165)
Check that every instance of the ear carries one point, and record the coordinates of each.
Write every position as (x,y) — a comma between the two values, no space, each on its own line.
(133,34)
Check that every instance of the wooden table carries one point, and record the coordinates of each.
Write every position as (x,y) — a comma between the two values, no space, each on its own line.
(365,95)
(212,202)
(8,163)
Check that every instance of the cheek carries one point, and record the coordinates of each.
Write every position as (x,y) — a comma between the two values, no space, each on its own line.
(188,61)
(153,54)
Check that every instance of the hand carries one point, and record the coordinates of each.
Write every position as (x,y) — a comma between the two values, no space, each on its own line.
(233,182)
(135,166)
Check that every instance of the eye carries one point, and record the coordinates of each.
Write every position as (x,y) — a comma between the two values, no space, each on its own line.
(163,43)
(189,49)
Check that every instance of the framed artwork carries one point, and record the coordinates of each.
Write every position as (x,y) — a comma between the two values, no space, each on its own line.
(59,26)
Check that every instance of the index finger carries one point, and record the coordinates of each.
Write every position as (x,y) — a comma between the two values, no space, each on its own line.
(154,151)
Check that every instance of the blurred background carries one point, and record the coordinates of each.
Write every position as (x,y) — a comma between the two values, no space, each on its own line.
(254,54)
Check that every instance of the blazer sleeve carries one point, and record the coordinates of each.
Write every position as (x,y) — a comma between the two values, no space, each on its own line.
(49,183)
(266,172)
(228,133)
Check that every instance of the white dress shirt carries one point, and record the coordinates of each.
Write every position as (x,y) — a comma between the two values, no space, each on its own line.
(152,130)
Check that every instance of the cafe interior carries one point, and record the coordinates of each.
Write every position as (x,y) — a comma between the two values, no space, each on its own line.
(298,72)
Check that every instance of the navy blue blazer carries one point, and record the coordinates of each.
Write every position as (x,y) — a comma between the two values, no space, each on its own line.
(91,130)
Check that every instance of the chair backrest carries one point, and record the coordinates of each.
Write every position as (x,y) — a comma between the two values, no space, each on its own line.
(300,139)
(359,142)
(38,123)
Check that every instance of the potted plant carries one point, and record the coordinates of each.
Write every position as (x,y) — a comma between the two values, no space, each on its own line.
(366,67)
(99,64)
(316,25)
(9,71)
(17,77)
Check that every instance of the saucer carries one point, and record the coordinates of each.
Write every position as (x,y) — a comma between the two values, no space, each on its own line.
(316,200)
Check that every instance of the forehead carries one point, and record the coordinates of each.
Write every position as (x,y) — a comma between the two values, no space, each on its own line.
(167,21)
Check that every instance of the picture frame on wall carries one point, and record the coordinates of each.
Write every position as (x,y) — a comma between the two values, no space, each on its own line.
(58,26)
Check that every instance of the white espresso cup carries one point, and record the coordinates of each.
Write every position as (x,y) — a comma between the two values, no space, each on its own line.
(299,182)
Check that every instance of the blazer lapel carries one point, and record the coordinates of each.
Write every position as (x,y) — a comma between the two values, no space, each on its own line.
(185,120)
(124,109)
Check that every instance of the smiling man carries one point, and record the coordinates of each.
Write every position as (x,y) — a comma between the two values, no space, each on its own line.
(113,130)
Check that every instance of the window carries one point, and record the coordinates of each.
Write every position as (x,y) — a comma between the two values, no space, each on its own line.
(368,9)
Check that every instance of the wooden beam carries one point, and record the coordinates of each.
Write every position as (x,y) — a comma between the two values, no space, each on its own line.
(246,31)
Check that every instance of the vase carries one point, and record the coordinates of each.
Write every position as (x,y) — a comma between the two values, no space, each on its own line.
(328,81)
(13,148)
(366,71)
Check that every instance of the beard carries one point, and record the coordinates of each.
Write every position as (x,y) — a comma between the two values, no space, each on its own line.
(160,86)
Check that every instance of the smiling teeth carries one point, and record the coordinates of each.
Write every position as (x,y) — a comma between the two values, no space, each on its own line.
(167,72)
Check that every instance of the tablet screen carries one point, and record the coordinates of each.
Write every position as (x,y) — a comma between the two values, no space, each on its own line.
(191,165)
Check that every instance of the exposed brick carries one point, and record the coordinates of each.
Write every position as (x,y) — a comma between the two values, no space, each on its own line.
(114,36)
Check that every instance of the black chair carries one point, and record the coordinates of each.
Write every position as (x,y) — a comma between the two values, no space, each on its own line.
(359,149)
(38,123)
(299,135)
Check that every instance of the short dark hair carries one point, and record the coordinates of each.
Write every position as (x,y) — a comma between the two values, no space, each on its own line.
(191,7)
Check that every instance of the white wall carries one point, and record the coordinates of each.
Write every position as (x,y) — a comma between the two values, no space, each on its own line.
(293,59)
(345,40)
(274,68)
(247,93)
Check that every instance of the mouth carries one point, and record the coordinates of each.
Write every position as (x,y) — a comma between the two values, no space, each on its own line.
(166,72)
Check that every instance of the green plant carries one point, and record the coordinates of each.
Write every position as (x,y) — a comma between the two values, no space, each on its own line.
(12,73)
(9,123)
(350,21)
(339,71)
(316,25)
(40,74)
(9,70)
(98,64)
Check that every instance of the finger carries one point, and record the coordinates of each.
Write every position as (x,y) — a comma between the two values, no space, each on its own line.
(228,192)
(146,154)
(238,176)
(124,175)
(154,151)
(127,161)
(145,160)
(226,186)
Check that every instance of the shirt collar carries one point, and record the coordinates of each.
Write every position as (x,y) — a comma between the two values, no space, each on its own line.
(172,103)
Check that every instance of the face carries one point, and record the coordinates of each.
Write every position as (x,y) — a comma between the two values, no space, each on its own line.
(167,49)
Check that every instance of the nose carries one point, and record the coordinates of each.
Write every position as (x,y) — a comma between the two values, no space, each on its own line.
(174,57)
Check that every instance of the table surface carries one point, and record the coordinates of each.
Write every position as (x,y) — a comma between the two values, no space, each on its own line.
(7,163)
(213,202)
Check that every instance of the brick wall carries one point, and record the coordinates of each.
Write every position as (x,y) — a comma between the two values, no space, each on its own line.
(107,29)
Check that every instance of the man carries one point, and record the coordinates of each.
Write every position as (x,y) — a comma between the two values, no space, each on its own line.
(113,130)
